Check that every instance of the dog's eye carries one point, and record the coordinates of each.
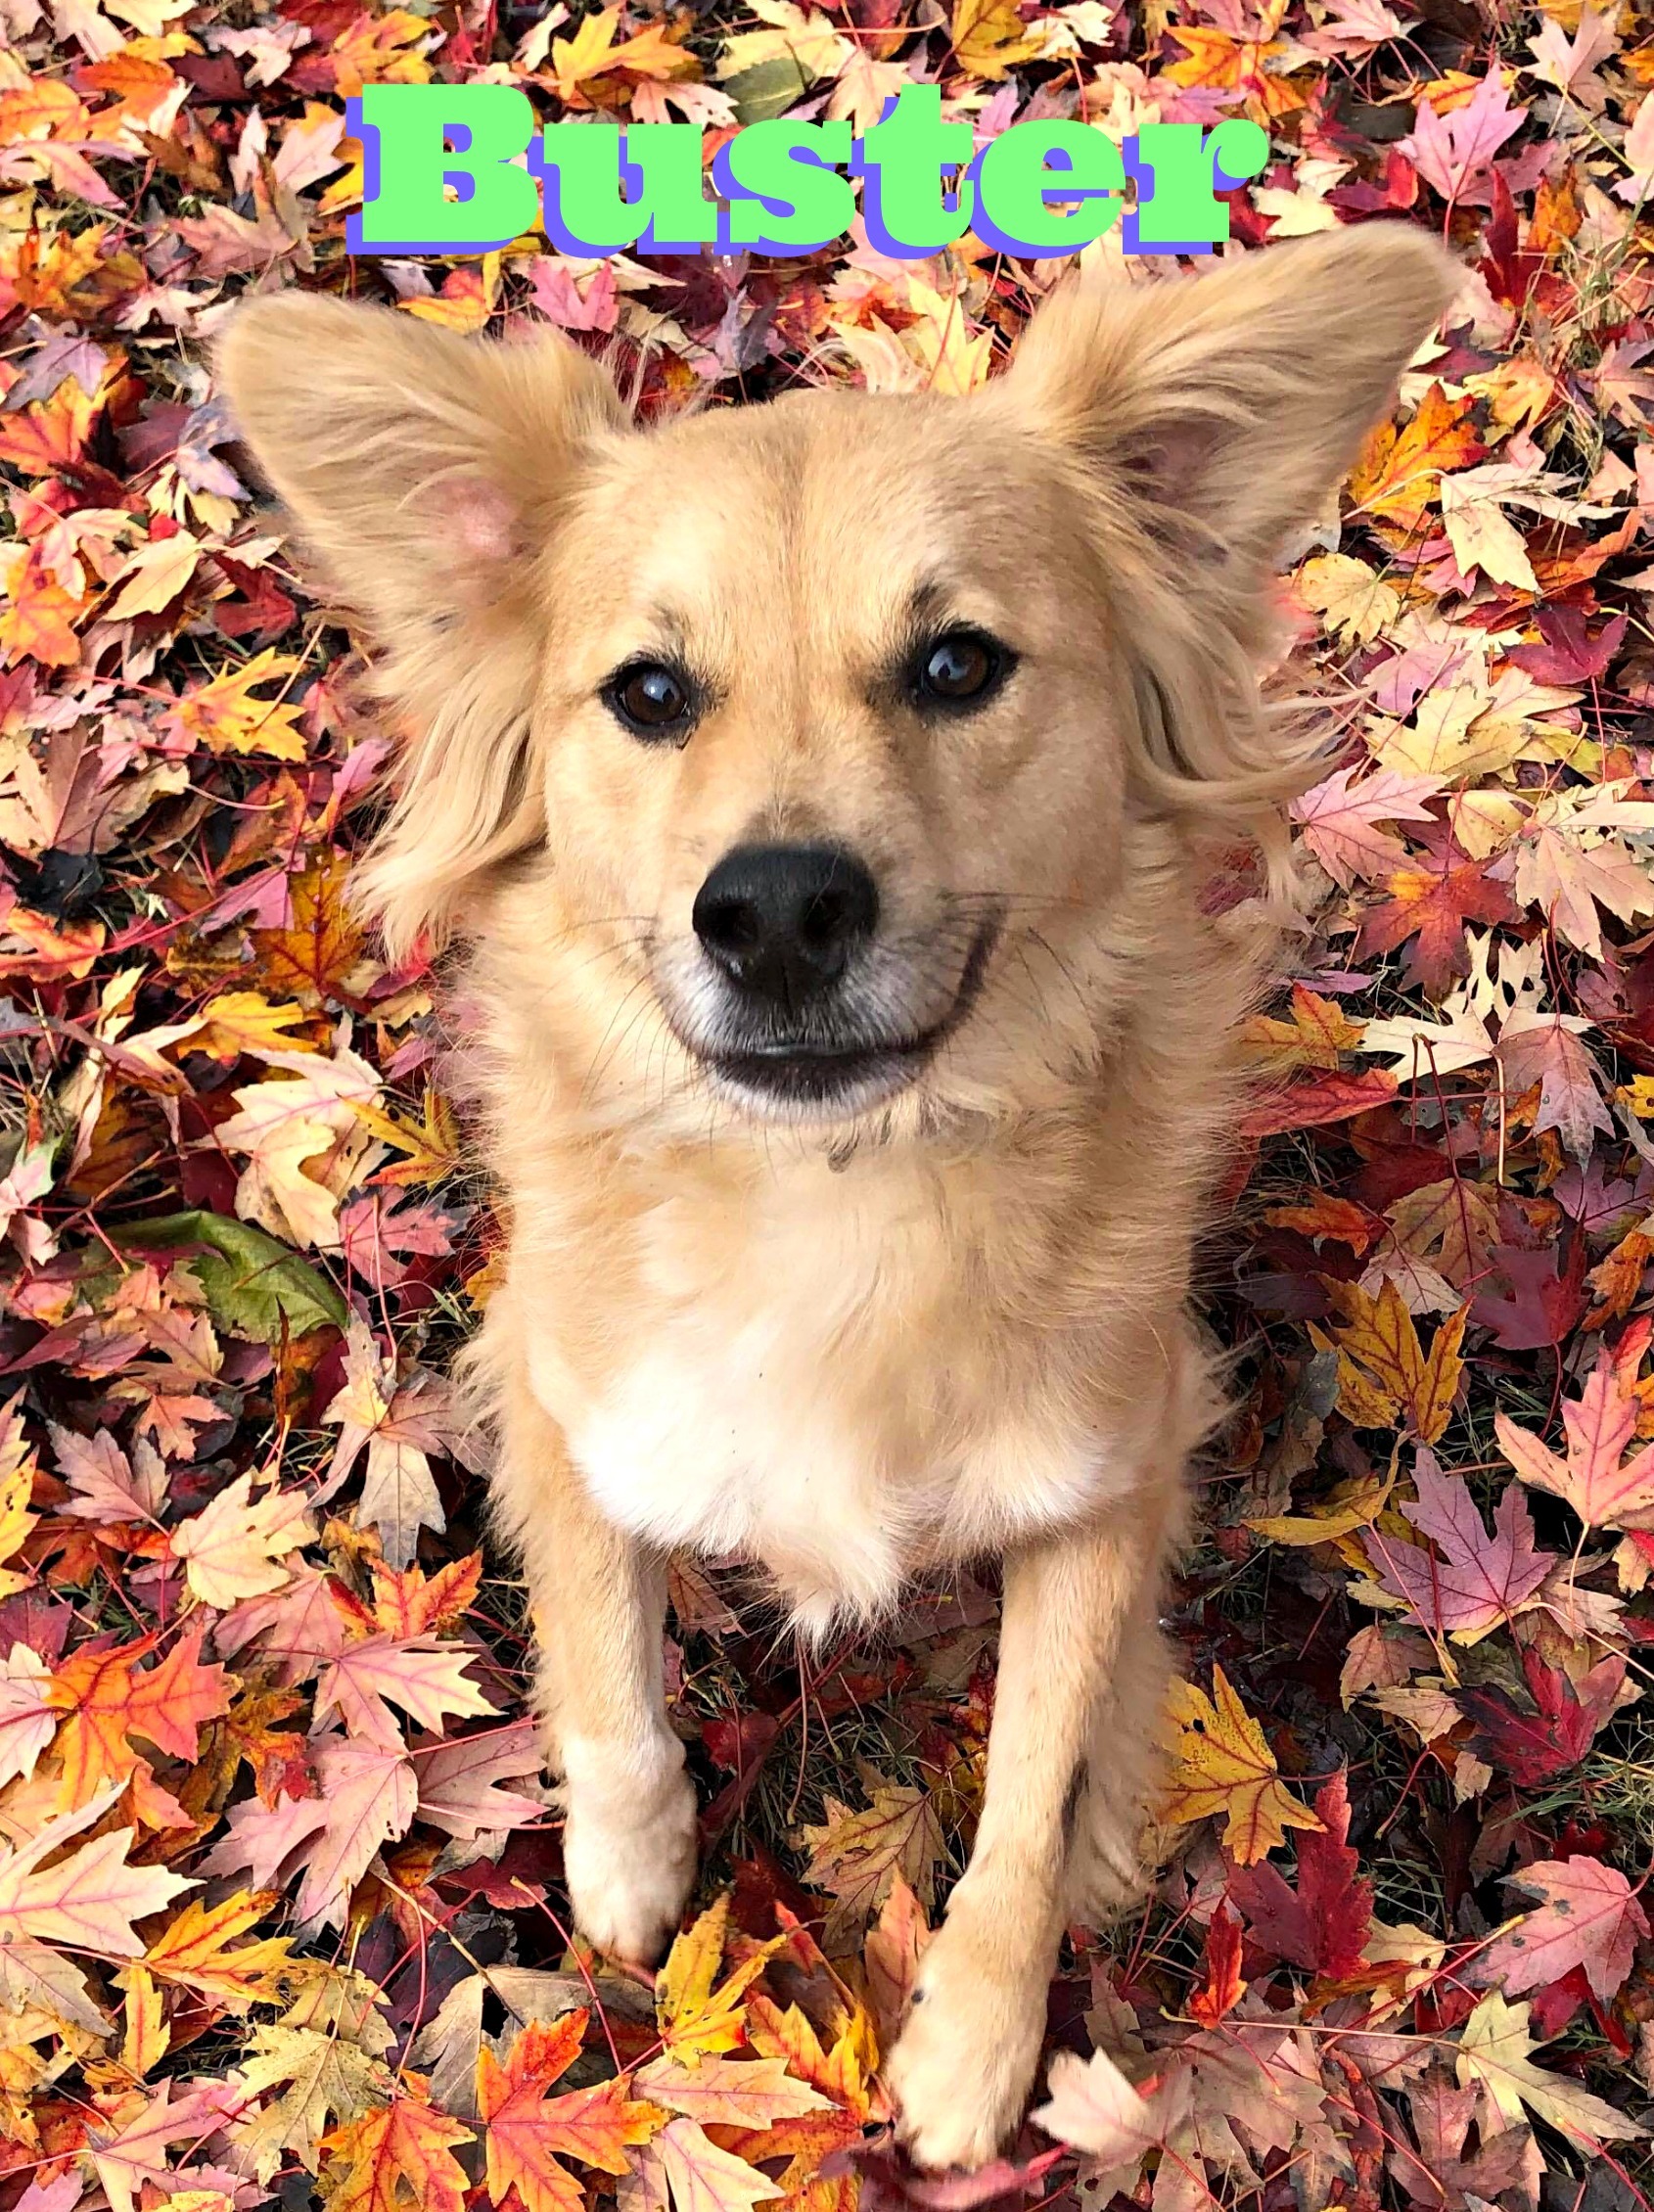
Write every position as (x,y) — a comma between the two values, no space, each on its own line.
(961,669)
(651,699)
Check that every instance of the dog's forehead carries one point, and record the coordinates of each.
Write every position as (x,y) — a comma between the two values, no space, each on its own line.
(825,499)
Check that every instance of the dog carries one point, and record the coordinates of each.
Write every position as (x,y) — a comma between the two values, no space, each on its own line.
(824,790)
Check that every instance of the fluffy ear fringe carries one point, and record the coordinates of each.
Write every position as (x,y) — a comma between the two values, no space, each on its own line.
(426,475)
(1201,420)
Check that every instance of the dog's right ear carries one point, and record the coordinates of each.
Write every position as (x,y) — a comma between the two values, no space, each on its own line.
(427,474)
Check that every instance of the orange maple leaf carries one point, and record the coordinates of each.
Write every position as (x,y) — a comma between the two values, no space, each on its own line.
(530,2133)
(1616,1282)
(137,83)
(315,956)
(466,300)
(37,621)
(397,2158)
(1214,58)
(1317,1035)
(841,2072)
(1324,1216)
(412,1602)
(106,1700)
(50,434)
(808,2141)
(1398,476)
(45,108)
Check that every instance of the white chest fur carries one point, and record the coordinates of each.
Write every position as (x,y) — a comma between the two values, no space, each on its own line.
(821,1380)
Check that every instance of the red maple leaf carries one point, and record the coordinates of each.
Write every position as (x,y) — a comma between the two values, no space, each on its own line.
(1322,1925)
(1568,653)
(1535,1747)
(1323,1098)
(1430,904)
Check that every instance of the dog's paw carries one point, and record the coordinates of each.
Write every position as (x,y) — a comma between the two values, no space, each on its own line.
(964,2064)
(629,1863)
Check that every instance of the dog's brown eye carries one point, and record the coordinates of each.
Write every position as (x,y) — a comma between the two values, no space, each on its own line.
(651,699)
(961,668)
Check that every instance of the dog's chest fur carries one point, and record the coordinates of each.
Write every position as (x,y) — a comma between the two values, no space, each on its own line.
(821,1371)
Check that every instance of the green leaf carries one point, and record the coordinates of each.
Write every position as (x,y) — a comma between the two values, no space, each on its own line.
(250,1280)
(767,89)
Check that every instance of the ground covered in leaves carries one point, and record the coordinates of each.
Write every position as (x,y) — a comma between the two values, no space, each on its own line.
(280,1908)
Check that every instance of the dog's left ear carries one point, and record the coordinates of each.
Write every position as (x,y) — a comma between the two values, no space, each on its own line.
(1222,409)
(1202,419)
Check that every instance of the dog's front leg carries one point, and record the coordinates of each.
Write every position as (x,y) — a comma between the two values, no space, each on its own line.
(599,1601)
(965,2061)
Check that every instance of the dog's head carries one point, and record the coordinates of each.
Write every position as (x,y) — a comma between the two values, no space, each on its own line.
(792,752)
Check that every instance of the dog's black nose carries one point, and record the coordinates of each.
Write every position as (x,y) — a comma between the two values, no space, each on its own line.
(782,920)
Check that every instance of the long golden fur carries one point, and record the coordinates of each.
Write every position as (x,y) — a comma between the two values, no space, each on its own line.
(939,1313)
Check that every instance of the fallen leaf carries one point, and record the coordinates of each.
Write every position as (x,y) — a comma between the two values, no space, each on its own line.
(1588,1917)
(1472,1582)
(1225,1766)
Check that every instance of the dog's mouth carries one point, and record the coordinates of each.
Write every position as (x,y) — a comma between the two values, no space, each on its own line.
(840,1070)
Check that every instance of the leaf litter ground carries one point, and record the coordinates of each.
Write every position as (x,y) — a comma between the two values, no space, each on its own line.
(279,1880)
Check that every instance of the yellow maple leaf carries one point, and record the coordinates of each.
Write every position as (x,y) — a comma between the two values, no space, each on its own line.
(809,42)
(16,1483)
(694,2015)
(1384,1372)
(223,715)
(245,1021)
(234,1547)
(954,360)
(192,1949)
(154,575)
(1225,1766)
(1519,392)
(1495,2053)
(145,2037)
(430,1145)
(653,53)
(582,56)
(345,190)
(990,37)
(1353,602)
(1353,1506)
(234,1023)
(857,1855)
(380,50)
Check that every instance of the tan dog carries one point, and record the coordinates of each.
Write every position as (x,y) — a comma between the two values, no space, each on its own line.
(821,787)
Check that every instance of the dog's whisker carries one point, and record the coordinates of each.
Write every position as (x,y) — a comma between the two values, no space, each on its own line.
(640,985)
